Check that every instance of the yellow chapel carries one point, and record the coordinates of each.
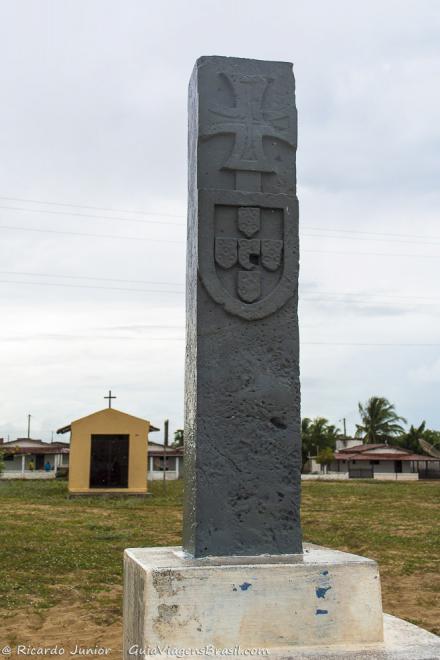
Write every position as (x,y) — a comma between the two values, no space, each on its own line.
(108,453)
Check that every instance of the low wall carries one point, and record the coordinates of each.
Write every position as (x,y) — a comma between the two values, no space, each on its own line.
(27,474)
(380,476)
(331,476)
(157,475)
(394,476)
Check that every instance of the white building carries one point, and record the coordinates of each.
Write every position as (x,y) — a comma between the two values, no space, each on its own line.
(26,458)
(377,461)
(171,458)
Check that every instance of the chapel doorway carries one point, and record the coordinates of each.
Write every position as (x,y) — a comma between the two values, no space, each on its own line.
(109,461)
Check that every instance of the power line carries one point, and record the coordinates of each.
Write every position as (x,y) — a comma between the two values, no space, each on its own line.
(86,286)
(172,215)
(143,326)
(165,291)
(363,295)
(318,296)
(96,217)
(374,240)
(373,254)
(87,277)
(371,303)
(303,343)
(375,233)
(337,343)
(100,338)
(157,240)
(182,226)
(358,294)
(77,233)
(85,206)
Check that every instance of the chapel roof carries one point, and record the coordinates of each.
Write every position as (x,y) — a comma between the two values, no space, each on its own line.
(108,411)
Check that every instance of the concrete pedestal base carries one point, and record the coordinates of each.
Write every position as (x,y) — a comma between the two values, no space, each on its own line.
(322,604)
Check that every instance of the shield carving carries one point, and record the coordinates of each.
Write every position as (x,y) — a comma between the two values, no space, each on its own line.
(249,277)
(271,254)
(249,285)
(226,252)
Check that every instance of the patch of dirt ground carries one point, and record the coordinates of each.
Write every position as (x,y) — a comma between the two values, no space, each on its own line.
(415,598)
(68,626)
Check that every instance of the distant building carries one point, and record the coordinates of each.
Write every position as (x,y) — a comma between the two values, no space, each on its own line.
(353,460)
(26,458)
(172,458)
(108,453)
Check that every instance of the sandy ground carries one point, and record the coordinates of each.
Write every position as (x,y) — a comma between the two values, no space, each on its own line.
(415,598)
(66,626)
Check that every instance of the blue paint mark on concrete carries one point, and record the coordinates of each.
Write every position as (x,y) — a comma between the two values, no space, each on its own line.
(321,591)
(245,586)
(321,612)
(324,573)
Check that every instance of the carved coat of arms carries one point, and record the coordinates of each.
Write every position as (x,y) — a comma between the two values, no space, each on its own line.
(248,254)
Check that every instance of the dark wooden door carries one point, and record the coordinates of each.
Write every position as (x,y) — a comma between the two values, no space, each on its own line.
(39,462)
(109,461)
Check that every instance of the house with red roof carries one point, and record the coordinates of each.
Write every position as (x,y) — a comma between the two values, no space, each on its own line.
(29,458)
(355,460)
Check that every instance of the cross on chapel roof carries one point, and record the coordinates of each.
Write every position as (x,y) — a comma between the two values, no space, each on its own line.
(110,397)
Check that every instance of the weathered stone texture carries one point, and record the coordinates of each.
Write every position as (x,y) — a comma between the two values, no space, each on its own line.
(322,597)
(242,399)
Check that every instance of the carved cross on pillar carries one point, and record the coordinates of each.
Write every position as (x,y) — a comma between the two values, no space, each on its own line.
(250,122)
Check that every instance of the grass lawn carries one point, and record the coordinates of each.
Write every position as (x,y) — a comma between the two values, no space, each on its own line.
(61,558)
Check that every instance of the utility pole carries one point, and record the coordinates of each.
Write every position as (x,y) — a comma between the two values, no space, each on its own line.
(165,445)
(345,427)
(29,426)
(51,438)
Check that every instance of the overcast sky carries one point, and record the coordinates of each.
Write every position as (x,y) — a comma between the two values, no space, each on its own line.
(93,114)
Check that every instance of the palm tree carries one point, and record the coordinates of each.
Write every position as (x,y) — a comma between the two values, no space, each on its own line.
(380,422)
(410,439)
(317,434)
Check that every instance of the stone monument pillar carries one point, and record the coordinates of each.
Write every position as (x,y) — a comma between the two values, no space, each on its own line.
(242,399)
(243,581)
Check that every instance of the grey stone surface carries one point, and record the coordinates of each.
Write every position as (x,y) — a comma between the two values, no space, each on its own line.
(242,399)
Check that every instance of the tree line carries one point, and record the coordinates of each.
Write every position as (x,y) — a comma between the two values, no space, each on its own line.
(379,423)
